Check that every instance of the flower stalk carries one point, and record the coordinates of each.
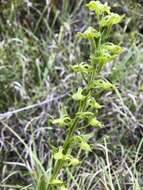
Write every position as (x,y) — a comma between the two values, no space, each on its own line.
(102,51)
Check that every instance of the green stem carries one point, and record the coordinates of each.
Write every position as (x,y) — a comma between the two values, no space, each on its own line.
(66,145)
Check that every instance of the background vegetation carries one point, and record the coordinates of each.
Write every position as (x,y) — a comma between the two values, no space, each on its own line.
(38,45)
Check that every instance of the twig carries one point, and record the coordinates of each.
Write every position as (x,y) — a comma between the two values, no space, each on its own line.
(10,113)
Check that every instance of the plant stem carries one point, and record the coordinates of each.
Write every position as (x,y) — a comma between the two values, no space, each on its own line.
(66,145)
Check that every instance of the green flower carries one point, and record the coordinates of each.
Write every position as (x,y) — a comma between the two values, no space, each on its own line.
(92,103)
(112,48)
(94,122)
(104,85)
(107,52)
(90,33)
(74,162)
(111,19)
(78,95)
(85,146)
(82,68)
(98,7)
(62,121)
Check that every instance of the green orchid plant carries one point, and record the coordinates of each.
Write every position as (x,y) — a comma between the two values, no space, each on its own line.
(102,51)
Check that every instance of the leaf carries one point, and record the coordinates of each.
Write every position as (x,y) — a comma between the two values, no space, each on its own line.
(78,95)
(110,20)
(98,7)
(41,183)
(95,123)
(90,33)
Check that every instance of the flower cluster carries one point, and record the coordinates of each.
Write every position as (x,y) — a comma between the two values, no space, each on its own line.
(102,51)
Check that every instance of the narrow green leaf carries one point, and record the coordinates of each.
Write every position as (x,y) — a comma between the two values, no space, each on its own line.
(42,183)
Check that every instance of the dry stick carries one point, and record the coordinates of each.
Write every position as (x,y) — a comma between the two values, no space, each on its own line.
(10,113)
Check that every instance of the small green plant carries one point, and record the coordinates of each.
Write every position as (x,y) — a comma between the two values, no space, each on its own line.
(101,52)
